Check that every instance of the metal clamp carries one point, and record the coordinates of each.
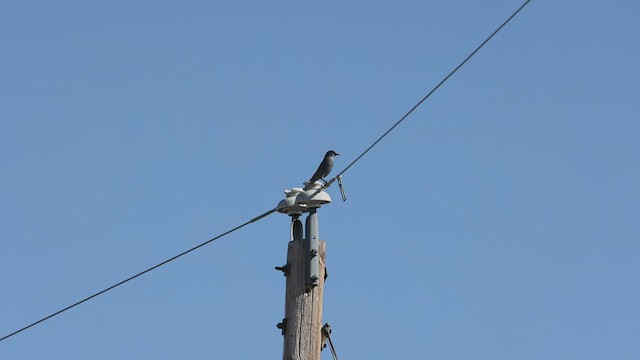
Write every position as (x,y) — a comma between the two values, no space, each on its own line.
(282,326)
(284,269)
(326,336)
(344,194)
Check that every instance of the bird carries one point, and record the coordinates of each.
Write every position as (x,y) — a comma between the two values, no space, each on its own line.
(323,170)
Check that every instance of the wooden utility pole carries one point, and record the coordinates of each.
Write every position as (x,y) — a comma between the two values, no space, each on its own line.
(303,310)
(305,272)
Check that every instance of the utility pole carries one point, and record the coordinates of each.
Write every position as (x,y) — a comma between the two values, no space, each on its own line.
(305,272)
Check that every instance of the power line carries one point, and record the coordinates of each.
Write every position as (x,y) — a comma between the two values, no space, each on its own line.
(273,210)
(430,92)
(139,274)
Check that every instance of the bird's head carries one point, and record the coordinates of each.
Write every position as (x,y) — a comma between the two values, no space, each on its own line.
(331,153)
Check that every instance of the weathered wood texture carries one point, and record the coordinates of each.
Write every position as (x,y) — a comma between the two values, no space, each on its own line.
(303,310)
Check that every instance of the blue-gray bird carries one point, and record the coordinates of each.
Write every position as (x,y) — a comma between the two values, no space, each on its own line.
(323,170)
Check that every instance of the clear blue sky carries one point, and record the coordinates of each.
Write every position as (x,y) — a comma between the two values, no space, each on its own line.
(500,221)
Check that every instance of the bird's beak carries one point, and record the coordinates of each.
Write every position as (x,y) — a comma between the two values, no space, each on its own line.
(336,153)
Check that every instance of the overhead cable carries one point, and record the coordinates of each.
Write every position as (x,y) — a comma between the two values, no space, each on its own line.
(429,93)
(273,210)
(138,274)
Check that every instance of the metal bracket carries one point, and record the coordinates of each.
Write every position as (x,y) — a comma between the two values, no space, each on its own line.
(326,336)
(326,329)
(282,326)
(313,252)
(344,194)
(284,269)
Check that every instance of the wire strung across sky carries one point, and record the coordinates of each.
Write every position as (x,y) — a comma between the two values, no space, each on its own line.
(259,217)
(140,273)
(430,92)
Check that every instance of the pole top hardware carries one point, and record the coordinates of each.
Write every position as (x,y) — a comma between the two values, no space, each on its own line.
(289,206)
(313,198)
(298,201)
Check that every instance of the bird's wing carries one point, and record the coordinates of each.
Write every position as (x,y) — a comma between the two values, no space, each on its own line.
(320,172)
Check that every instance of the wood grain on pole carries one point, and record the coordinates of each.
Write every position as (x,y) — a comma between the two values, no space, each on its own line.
(303,310)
